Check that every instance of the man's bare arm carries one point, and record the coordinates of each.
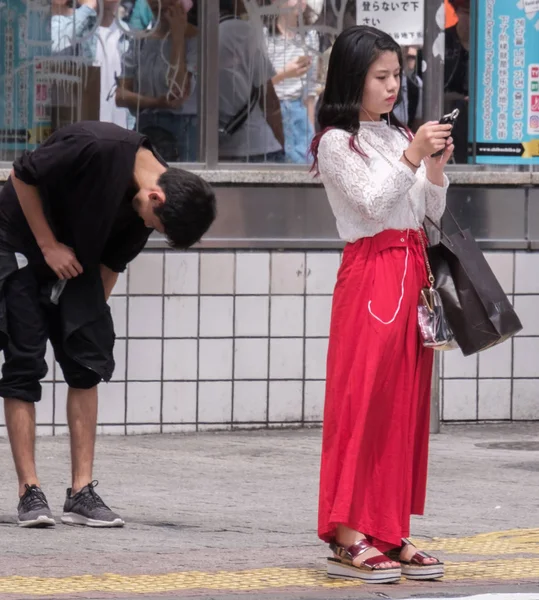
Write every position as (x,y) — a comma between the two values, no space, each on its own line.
(109,278)
(59,257)
(270,105)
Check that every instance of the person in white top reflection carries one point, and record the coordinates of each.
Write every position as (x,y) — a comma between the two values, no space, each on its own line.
(93,31)
(381,183)
(110,45)
(292,49)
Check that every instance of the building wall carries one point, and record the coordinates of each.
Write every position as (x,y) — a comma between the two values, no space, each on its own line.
(210,340)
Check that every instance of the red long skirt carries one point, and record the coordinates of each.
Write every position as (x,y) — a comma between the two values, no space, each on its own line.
(376,415)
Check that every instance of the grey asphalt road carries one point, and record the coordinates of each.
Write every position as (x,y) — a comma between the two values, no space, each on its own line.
(247,500)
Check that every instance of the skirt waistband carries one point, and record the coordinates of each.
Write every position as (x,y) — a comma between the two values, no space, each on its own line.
(390,238)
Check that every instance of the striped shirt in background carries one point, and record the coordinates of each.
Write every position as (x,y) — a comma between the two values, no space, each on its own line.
(282,50)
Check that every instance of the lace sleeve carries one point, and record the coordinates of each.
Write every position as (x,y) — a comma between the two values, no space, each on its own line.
(373,194)
(435,197)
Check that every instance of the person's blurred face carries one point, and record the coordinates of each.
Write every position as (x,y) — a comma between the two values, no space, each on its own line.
(163,5)
(296,5)
(410,54)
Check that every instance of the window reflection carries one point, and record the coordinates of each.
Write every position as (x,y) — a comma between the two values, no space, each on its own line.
(250,121)
(293,49)
(158,80)
(410,110)
(273,56)
(135,63)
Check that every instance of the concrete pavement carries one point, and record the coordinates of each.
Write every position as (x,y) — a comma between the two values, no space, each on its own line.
(234,513)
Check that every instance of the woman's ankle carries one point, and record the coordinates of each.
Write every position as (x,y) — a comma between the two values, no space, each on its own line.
(345,536)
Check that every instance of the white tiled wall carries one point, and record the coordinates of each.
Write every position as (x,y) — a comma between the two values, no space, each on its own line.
(500,383)
(218,339)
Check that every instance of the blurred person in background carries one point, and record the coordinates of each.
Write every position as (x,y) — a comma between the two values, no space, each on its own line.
(141,15)
(70,25)
(456,75)
(94,32)
(159,79)
(250,123)
(410,110)
(293,50)
(329,26)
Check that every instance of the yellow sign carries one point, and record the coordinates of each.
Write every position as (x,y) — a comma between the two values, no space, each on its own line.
(531,149)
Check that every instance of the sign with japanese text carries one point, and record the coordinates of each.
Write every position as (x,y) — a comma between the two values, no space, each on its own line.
(531,6)
(506,97)
(402,19)
(25,39)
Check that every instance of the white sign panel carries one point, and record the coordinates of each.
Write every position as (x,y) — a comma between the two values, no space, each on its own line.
(402,19)
(531,6)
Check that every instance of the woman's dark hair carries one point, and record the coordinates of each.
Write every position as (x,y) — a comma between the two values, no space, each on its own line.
(352,55)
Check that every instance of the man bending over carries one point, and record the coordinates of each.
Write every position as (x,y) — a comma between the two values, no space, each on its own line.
(73,214)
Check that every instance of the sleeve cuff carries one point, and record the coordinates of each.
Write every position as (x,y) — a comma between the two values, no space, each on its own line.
(438,188)
(407,172)
(116,267)
(24,169)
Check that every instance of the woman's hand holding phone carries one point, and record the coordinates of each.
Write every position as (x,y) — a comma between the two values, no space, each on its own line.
(429,139)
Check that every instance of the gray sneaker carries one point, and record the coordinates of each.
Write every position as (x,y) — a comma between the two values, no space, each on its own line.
(87,508)
(33,509)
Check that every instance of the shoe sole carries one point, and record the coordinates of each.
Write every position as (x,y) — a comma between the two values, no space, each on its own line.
(423,573)
(41,522)
(75,519)
(338,570)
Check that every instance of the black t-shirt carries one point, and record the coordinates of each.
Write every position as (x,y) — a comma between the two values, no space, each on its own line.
(456,81)
(84,174)
(457,59)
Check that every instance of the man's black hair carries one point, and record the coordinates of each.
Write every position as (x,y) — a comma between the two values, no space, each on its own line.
(189,208)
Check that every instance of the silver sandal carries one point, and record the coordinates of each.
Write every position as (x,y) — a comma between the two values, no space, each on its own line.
(369,571)
(417,568)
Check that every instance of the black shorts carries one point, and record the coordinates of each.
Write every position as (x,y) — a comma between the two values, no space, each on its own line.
(31,319)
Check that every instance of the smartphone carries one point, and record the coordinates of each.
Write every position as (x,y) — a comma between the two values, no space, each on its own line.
(449,119)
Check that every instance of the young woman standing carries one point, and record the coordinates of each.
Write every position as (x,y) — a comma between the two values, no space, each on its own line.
(381,184)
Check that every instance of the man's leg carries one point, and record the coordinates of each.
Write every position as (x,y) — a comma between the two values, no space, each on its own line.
(83,506)
(21,427)
(82,420)
(22,371)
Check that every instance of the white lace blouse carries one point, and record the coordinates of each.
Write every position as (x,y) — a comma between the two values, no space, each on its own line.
(369,194)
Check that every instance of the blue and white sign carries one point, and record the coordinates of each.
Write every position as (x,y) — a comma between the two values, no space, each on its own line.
(506,95)
(25,42)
